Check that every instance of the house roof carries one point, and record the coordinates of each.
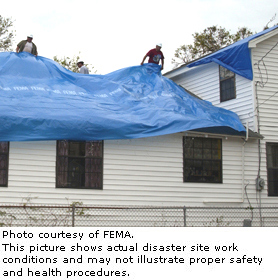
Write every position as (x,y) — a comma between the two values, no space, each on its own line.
(225,131)
(235,57)
(41,100)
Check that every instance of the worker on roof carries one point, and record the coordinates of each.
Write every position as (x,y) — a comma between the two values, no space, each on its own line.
(27,46)
(155,55)
(83,69)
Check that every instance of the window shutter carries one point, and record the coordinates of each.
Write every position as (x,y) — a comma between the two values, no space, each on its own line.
(4,152)
(62,163)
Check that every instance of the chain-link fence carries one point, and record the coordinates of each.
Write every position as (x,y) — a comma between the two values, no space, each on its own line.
(117,216)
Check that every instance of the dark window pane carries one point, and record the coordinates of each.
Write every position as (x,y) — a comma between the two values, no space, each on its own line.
(202,161)
(188,142)
(93,180)
(198,153)
(207,167)
(216,154)
(76,172)
(79,164)
(188,163)
(3,162)
(198,143)
(93,165)
(62,179)
(227,89)
(77,149)
(216,144)
(62,164)
(227,84)
(188,153)
(62,148)
(4,158)
(217,171)
(4,147)
(272,174)
(272,168)
(207,154)
(94,149)
(272,188)
(3,177)
(207,143)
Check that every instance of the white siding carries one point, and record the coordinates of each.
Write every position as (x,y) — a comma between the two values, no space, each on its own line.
(204,82)
(267,73)
(267,91)
(147,171)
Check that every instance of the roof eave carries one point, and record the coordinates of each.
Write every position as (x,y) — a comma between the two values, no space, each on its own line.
(250,135)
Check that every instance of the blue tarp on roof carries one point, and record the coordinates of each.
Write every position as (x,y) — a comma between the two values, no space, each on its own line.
(41,100)
(235,57)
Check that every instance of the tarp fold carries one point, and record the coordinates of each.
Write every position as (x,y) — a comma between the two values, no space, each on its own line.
(235,57)
(41,100)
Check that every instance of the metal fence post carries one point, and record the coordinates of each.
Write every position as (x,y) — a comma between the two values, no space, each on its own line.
(184,216)
(73,214)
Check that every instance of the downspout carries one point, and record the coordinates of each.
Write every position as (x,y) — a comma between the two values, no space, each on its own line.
(258,124)
(259,151)
(243,161)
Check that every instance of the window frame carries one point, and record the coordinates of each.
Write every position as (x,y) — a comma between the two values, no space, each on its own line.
(270,187)
(7,165)
(205,173)
(223,94)
(62,161)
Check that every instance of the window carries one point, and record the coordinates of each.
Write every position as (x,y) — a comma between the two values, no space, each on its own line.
(202,160)
(79,164)
(272,168)
(4,158)
(227,84)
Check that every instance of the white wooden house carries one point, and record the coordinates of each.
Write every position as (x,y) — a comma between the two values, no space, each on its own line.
(163,170)
(255,100)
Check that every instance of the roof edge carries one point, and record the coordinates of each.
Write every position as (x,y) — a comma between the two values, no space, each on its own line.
(253,43)
(209,131)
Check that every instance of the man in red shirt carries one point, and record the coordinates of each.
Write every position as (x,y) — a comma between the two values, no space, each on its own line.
(155,55)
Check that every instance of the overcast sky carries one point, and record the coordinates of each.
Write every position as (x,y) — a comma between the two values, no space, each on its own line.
(114,34)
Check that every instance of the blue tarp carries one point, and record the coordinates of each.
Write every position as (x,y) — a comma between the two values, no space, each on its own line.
(235,57)
(41,100)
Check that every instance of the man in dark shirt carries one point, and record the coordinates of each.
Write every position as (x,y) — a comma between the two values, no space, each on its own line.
(27,46)
(155,55)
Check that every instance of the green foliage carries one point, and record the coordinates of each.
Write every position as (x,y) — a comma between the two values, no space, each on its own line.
(71,63)
(242,33)
(79,211)
(6,36)
(210,40)
(68,63)
(217,222)
(6,219)
(184,54)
